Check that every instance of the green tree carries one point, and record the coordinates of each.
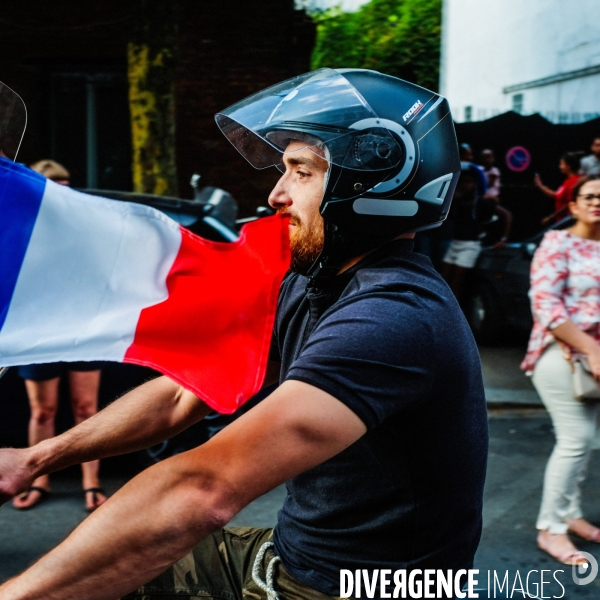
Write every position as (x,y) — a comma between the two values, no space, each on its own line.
(398,37)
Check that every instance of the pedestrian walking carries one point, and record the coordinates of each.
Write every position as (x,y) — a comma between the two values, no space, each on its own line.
(569,167)
(565,297)
(468,217)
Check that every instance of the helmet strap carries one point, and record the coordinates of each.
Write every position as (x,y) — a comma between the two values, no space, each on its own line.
(328,263)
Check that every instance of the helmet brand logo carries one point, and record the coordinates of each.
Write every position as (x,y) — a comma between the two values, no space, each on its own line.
(413,110)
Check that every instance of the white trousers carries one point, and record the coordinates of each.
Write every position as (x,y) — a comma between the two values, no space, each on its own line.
(575,427)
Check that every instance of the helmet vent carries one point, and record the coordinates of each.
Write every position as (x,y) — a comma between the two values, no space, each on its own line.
(385,208)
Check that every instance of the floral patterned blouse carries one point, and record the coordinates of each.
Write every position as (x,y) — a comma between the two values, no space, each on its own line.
(565,284)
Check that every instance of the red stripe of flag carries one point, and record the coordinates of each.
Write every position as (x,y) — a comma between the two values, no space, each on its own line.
(212,335)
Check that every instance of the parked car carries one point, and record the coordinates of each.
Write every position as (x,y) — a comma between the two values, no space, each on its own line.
(498,291)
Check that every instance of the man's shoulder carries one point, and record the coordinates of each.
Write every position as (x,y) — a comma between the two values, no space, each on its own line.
(406,284)
(396,274)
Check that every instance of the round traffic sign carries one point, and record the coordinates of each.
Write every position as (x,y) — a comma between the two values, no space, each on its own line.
(518,158)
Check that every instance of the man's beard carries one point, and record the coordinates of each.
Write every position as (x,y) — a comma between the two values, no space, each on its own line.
(306,243)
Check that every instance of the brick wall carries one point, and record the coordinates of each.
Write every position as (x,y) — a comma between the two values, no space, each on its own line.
(229,49)
(38,37)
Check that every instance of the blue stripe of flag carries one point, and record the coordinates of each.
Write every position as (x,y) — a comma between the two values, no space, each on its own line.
(21,192)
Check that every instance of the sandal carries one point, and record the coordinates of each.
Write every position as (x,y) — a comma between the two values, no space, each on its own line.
(44,494)
(94,491)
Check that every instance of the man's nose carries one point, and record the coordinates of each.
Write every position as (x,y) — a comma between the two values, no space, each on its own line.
(279,196)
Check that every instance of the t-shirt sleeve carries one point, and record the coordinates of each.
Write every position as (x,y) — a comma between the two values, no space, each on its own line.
(549,275)
(372,354)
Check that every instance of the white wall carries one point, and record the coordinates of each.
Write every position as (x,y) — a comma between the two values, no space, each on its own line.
(346,5)
(488,45)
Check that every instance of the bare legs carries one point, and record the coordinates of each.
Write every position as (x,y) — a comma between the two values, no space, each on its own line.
(43,401)
(575,425)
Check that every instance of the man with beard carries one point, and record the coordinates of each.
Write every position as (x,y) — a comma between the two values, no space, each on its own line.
(378,427)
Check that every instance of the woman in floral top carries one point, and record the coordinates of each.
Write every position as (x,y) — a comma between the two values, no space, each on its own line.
(565,296)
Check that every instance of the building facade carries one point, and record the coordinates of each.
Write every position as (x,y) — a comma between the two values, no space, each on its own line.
(68,61)
(538,56)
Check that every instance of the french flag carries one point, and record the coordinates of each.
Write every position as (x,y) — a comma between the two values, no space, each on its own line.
(87,278)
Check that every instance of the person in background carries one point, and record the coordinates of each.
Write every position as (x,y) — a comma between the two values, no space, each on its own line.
(469,213)
(42,385)
(569,166)
(590,165)
(565,299)
(434,243)
(467,156)
(492,174)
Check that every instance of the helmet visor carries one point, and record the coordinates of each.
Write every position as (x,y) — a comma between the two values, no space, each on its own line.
(321,108)
(13,118)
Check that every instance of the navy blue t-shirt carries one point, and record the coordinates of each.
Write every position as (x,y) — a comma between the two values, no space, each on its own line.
(387,339)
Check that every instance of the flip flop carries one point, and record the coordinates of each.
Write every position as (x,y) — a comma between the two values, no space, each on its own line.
(44,495)
(94,491)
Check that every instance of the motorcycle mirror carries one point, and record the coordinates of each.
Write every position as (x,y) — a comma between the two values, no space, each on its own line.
(13,120)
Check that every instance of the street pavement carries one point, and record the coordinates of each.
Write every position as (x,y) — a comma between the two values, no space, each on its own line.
(505,384)
(520,442)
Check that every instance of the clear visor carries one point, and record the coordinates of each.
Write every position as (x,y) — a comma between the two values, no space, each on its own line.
(13,119)
(322,109)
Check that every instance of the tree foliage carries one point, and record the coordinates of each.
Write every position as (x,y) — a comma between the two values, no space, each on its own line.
(398,37)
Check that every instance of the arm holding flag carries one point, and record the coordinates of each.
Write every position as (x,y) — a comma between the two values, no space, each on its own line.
(148,415)
(123,282)
(162,513)
(145,416)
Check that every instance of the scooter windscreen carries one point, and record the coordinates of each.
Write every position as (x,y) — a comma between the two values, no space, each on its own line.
(13,119)
(321,108)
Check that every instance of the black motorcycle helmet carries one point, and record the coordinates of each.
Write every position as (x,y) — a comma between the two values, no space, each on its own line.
(391,147)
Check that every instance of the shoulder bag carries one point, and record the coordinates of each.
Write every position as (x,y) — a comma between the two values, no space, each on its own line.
(585,387)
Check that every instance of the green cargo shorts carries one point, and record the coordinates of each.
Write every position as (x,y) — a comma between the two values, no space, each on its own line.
(220,567)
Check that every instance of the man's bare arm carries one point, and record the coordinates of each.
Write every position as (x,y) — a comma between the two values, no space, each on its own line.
(129,540)
(145,416)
